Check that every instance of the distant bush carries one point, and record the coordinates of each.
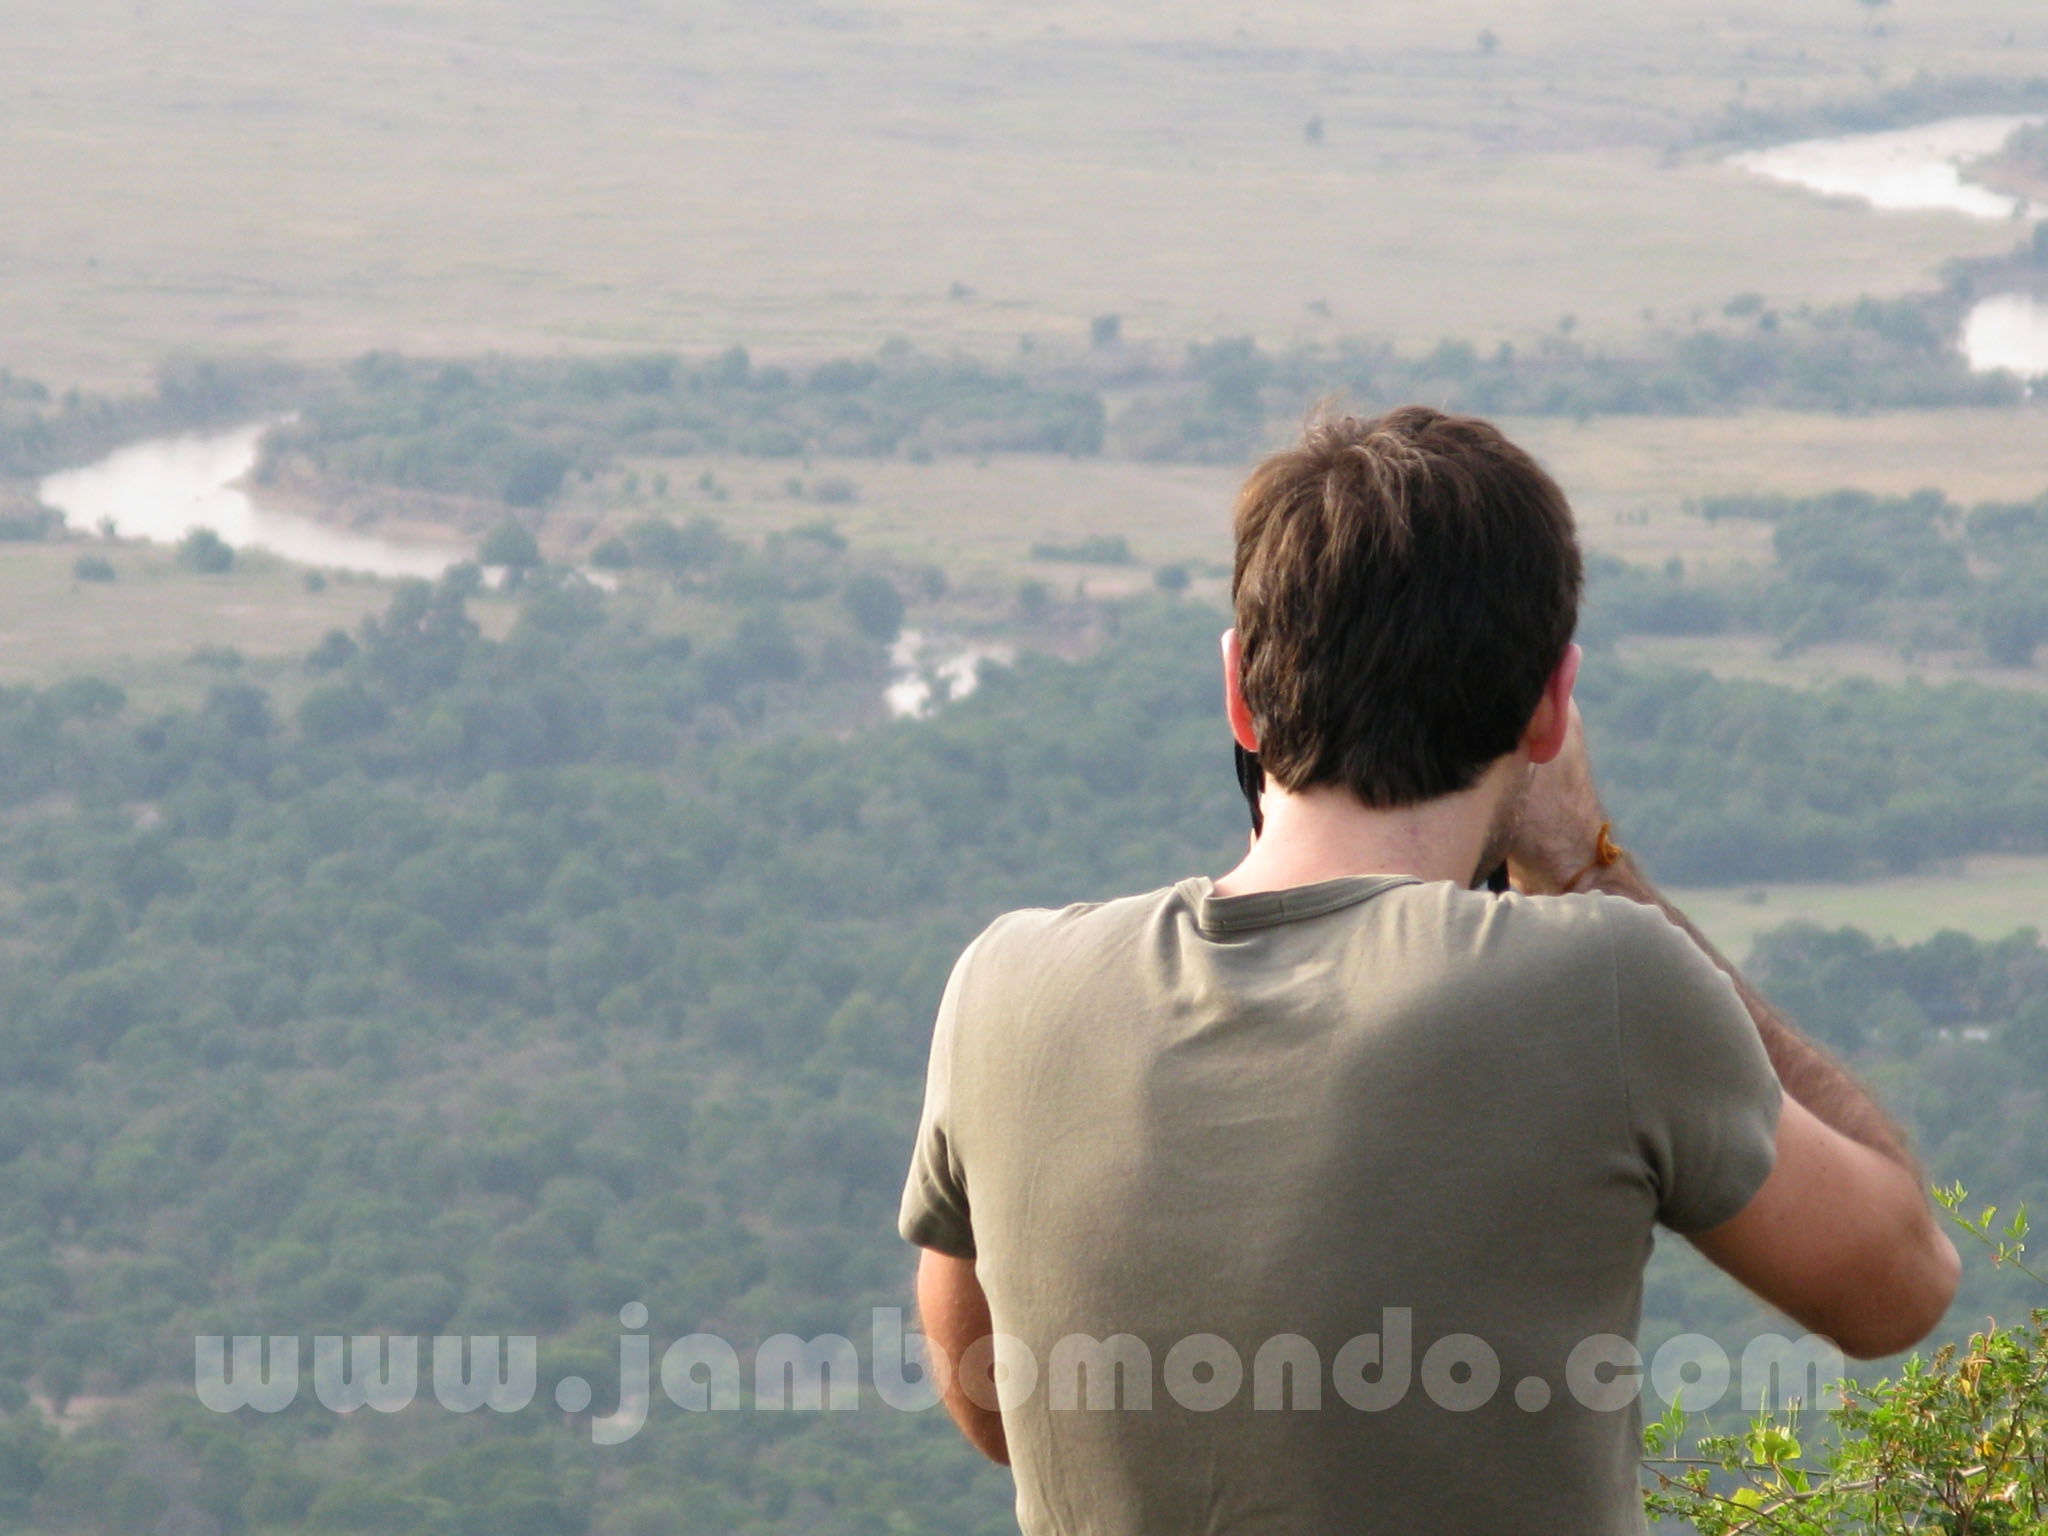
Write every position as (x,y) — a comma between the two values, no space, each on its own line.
(876,606)
(530,474)
(655,543)
(92,568)
(28,521)
(1733,780)
(2012,619)
(1624,598)
(85,698)
(511,544)
(335,650)
(205,551)
(1096,549)
(822,532)
(2007,531)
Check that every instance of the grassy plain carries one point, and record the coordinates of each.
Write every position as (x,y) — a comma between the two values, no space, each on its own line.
(1987,896)
(802,177)
(1629,478)
(1757,656)
(1622,467)
(165,633)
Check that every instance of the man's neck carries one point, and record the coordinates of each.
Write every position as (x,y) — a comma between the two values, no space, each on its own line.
(1327,833)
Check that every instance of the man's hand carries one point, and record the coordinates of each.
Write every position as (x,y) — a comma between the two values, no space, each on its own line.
(1559,832)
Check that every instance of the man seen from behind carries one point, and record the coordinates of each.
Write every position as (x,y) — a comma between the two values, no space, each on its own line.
(1293,1200)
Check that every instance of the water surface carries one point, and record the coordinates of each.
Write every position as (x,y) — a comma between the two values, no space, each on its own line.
(1918,169)
(162,488)
(2008,331)
(926,672)
(1921,169)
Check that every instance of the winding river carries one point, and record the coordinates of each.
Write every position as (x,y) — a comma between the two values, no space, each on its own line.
(1921,169)
(162,488)
(1916,169)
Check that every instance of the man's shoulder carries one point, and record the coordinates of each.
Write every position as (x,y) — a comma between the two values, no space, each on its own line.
(1490,918)
(1611,919)
(1021,925)
(1029,935)
(1592,934)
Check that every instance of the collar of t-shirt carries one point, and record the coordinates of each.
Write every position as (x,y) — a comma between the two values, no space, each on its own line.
(1261,909)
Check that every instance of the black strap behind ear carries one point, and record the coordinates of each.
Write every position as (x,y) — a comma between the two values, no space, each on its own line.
(1251,778)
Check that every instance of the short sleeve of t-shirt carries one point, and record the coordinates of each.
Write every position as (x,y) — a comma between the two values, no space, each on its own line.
(934,1212)
(1703,1099)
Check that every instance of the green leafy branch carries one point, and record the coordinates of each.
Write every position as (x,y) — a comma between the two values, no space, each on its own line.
(1957,1443)
(2007,1245)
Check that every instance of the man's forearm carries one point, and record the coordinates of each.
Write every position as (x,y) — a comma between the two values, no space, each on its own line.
(1807,1072)
(954,1312)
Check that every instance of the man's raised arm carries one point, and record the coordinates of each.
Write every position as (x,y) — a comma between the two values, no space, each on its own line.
(1842,1235)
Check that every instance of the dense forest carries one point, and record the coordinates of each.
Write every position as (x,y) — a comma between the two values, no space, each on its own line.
(499,983)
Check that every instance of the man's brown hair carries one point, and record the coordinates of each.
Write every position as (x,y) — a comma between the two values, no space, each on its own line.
(1405,586)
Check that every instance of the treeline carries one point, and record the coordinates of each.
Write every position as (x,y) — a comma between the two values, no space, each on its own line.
(516,430)
(42,431)
(1918,573)
(1921,99)
(2021,162)
(513,430)
(1875,354)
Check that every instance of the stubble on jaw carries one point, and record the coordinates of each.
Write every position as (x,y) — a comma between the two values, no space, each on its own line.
(1507,821)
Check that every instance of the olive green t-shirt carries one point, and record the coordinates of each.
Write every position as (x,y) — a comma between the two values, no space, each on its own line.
(1257,1186)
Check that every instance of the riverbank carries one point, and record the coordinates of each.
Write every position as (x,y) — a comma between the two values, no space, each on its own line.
(1986,168)
(2020,166)
(160,489)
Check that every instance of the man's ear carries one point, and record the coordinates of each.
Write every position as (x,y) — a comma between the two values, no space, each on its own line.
(1234,708)
(1551,725)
